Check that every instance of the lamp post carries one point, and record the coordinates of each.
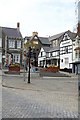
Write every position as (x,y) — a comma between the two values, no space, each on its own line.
(29,55)
(24,63)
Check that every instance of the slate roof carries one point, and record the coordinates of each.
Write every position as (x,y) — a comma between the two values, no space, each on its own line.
(60,35)
(54,49)
(56,36)
(44,40)
(51,49)
(47,49)
(71,34)
(11,32)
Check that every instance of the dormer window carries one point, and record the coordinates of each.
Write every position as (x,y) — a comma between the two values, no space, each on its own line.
(66,37)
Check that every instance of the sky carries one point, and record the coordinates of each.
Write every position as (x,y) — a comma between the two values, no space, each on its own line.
(47,17)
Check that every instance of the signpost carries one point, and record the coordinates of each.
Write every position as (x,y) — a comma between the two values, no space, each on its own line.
(24,63)
(29,55)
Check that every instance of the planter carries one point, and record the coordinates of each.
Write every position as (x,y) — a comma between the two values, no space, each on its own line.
(50,69)
(14,67)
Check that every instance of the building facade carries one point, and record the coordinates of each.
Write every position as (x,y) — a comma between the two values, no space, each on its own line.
(36,43)
(48,56)
(76,55)
(11,45)
(62,52)
(66,51)
(0,48)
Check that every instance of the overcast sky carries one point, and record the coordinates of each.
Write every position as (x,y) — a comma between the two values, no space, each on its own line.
(47,17)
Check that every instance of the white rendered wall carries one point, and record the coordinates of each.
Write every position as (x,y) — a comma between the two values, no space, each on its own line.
(68,55)
(41,58)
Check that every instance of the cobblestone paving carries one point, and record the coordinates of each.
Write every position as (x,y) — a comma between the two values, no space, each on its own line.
(48,102)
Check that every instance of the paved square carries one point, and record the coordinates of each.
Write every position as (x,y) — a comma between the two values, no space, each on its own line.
(43,98)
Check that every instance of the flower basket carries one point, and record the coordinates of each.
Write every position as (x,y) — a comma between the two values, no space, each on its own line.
(14,67)
(51,69)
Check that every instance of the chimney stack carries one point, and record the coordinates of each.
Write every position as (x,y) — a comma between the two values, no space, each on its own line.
(18,26)
(78,15)
(78,28)
(34,33)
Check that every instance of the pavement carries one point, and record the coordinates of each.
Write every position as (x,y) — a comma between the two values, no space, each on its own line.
(44,97)
(37,73)
(20,81)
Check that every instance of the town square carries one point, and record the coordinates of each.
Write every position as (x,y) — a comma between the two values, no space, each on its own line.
(40,60)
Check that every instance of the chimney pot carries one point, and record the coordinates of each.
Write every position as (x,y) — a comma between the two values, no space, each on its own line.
(18,26)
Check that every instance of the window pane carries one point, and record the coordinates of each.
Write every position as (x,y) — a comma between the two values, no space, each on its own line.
(16,58)
(18,44)
(11,44)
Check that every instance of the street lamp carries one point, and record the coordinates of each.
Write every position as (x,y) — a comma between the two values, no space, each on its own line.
(29,55)
(24,63)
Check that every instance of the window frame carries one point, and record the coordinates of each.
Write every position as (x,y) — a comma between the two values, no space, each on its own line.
(16,58)
(11,43)
(18,44)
